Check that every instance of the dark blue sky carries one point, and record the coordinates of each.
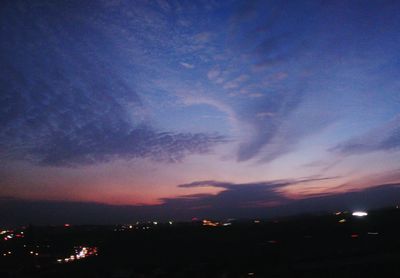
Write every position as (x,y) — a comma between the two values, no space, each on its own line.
(121,102)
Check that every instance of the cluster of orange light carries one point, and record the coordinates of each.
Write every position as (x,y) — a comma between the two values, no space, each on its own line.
(210,223)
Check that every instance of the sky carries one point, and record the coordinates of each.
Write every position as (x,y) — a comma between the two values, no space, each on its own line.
(177,109)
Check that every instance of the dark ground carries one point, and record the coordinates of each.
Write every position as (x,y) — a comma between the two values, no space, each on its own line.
(302,246)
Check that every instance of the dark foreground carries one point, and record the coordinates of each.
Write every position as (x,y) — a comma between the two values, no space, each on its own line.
(306,246)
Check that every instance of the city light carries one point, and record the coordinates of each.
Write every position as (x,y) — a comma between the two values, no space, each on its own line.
(80,253)
(359,213)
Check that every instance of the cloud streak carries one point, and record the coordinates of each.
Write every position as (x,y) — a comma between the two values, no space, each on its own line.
(383,138)
(235,196)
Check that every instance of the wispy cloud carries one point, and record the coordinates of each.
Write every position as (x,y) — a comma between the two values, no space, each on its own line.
(187,65)
(213,73)
(237,82)
(383,138)
(203,37)
(281,96)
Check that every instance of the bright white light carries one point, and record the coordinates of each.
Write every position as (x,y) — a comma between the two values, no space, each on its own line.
(359,213)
